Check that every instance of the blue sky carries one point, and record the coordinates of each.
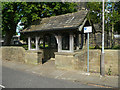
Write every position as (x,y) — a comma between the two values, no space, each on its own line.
(19,27)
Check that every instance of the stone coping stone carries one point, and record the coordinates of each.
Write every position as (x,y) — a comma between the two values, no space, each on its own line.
(34,51)
(66,53)
(11,47)
(94,49)
(111,50)
(104,50)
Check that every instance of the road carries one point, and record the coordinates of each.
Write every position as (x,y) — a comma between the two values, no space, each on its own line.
(21,79)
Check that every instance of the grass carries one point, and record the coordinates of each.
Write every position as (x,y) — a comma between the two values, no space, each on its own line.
(46,45)
(33,46)
(97,47)
(116,47)
(25,47)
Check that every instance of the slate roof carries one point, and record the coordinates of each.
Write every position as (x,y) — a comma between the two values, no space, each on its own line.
(70,20)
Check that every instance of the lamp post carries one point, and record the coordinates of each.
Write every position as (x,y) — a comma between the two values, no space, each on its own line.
(102,66)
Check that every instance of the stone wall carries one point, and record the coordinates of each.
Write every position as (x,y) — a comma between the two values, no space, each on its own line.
(111,61)
(78,61)
(66,61)
(13,53)
(70,61)
(94,60)
(33,57)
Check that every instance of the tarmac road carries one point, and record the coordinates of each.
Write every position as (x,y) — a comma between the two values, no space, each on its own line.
(21,79)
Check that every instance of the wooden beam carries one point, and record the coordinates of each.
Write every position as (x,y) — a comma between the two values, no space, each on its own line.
(59,43)
(77,42)
(71,43)
(37,47)
(29,43)
(81,27)
(56,38)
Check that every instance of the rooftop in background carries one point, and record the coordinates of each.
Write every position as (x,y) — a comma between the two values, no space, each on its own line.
(117,36)
(98,27)
(70,20)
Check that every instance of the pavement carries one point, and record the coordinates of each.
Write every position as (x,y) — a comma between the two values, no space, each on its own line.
(49,70)
(21,79)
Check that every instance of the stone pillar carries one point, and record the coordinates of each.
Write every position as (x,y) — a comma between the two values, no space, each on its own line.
(29,43)
(37,47)
(59,43)
(71,43)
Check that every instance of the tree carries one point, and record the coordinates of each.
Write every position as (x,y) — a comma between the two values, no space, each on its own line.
(112,15)
(81,5)
(28,12)
(117,24)
(95,11)
(114,18)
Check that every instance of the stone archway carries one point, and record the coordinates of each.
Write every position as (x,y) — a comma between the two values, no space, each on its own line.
(48,45)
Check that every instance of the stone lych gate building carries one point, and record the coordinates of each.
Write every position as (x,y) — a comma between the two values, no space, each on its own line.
(60,37)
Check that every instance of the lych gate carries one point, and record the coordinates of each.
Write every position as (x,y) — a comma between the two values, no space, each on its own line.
(64,42)
(62,34)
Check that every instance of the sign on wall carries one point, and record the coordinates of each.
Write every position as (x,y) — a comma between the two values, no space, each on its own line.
(88,29)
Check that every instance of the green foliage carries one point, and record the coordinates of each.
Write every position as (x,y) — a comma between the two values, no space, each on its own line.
(0,17)
(41,46)
(117,24)
(95,11)
(109,71)
(113,16)
(117,6)
(28,12)
(33,45)
(25,47)
(95,47)
(91,47)
(116,47)
(117,27)
(112,13)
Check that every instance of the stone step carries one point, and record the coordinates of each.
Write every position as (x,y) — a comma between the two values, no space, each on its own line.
(52,59)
